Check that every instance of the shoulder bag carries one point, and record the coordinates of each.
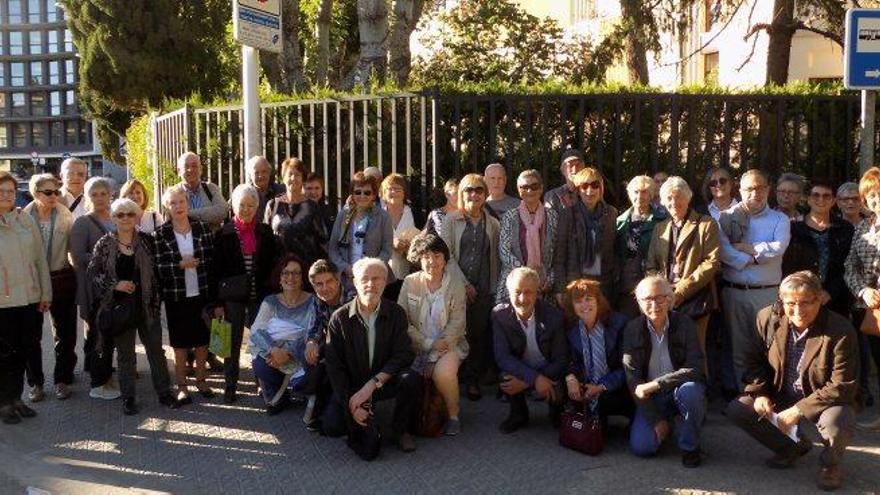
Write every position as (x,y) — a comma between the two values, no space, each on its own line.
(581,431)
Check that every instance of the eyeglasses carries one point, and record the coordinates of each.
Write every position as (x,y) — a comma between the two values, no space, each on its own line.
(534,186)
(784,192)
(291,273)
(815,196)
(791,304)
(50,192)
(362,192)
(125,214)
(721,181)
(7,192)
(658,299)
(847,199)
(596,184)
(474,190)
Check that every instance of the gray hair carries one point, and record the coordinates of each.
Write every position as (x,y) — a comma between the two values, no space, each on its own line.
(37,180)
(181,160)
(495,165)
(848,187)
(652,281)
(641,180)
(69,162)
(171,192)
(95,183)
(803,280)
(525,174)
(240,192)
(362,265)
(252,163)
(794,179)
(124,205)
(520,273)
(676,183)
(754,172)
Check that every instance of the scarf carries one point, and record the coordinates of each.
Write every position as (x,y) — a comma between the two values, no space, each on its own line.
(593,230)
(533,227)
(247,235)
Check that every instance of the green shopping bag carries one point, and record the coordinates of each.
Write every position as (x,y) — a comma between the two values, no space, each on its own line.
(221,338)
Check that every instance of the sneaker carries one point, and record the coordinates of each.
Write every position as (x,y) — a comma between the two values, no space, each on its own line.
(453,427)
(406,442)
(691,459)
(62,391)
(870,425)
(105,392)
(36,394)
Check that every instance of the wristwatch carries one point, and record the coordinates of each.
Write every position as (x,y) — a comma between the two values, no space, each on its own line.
(378,382)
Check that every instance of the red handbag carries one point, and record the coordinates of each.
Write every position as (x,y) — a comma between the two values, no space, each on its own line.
(581,431)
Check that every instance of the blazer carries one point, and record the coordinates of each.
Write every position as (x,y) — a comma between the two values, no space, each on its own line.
(830,361)
(510,248)
(347,356)
(451,232)
(569,259)
(510,342)
(413,299)
(684,351)
(862,265)
(613,327)
(378,242)
(84,234)
(170,277)
(58,252)
(697,255)
(24,271)
(803,254)
(229,260)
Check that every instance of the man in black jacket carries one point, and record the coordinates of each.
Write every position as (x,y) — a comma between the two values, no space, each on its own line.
(368,357)
(664,371)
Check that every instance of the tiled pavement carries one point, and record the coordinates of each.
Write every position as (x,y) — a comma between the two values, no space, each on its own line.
(86,446)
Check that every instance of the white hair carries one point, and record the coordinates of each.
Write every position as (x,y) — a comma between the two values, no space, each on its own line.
(171,192)
(676,183)
(653,281)
(124,205)
(240,192)
(181,160)
(252,163)
(37,180)
(69,162)
(518,274)
(847,187)
(641,180)
(495,165)
(362,265)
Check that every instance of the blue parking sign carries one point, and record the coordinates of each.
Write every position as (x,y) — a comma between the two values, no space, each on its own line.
(861,58)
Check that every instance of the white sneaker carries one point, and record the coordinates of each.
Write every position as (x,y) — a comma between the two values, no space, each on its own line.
(870,425)
(104,392)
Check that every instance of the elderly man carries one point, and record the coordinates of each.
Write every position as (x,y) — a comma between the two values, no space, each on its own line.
(498,200)
(566,195)
(260,175)
(73,176)
(803,366)
(664,371)
(206,202)
(368,356)
(531,348)
(789,193)
(753,240)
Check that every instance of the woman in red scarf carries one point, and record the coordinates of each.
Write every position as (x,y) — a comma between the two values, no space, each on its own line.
(246,253)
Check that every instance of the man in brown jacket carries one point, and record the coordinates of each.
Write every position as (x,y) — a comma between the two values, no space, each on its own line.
(803,365)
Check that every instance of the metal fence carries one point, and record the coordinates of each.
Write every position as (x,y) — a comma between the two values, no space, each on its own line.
(432,136)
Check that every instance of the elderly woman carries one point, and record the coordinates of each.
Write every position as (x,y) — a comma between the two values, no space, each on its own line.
(849,203)
(394,201)
(362,229)
(121,272)
(84,234)
(587,235)
(435,303)
(528,234)
(718,192)
(634,229)
(862,266)
(26,295)
(55,221)
(245,255)
(435,218)
(472,235)
(260,175)
(135,191)
(685,250)
(595,372)
(789,192)
(294,218)
(278,335)
(184,255)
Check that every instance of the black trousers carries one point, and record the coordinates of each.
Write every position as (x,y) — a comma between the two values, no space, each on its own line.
(99,360)
(33,361)
(64,324)
(479,339)
(614,403)
(17,324)
(239,315)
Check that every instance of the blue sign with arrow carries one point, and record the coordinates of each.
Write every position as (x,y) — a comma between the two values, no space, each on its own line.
(861,58)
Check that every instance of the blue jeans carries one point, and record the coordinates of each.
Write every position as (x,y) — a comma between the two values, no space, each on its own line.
(687,400)
(270,378)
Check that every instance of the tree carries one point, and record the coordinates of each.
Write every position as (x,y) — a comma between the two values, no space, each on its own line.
(322,34)
(639,20)
(373,32)
(284,71)
(406,14)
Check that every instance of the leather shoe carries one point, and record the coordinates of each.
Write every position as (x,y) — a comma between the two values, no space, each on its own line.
(229,395)
(829,478)
(9,415)
(786,459)
(36,393)
(169,401)
(23,410)
(62,391)
(691,459)
(129,408)
(473,392)
(513,423)
(406,442)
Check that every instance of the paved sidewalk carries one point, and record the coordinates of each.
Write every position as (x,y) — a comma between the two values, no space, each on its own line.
(85,446)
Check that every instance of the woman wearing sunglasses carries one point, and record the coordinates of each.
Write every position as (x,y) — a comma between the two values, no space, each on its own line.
(362,229)
(717,192)
(55,221)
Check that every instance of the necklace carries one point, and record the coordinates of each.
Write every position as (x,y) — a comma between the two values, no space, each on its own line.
(123,244)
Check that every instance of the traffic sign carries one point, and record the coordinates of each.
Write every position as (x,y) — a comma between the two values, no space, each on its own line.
(861,60)
(257,23)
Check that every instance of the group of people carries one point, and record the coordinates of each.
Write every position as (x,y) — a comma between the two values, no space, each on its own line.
(555,295)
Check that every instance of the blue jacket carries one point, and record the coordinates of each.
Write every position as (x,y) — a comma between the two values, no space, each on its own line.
(613,327)
(510,342)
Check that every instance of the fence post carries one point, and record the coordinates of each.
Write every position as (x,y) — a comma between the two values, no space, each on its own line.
(154,159)
(187,127)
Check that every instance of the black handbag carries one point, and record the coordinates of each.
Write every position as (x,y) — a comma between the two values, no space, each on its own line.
(236,288)
(699,305)
(118,317)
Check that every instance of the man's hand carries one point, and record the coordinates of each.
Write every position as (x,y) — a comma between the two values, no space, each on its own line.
(545,388)
(312,352)
(361,396)
(360,416)
(440,345)
(126,286)
(43,306)
(763,406)
(189,262)
(745,248)
(278,357)
(512,385)
(594,391)
(574,390)
(871,297)
(788,418)
(644,390)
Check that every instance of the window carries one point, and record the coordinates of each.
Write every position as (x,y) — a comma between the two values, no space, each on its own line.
(16,71)
(70,102)
(70,132)
(2,74)
(15,16)
(55,103)
(19,106)
(69,72)
(15,43)
(85,135)
(38,104)
(54,72)
(36,42)
(2,105)
(582,10)
(68,41)
(34,11)
(37,73)
(55,12)
(38,134)
(19,135)
(53,42)
(57,138)
(710,68)
(4,143)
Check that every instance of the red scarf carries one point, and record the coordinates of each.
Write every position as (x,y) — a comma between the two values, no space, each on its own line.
(247,235)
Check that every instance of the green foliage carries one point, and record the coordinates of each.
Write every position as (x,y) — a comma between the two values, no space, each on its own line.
(138,141)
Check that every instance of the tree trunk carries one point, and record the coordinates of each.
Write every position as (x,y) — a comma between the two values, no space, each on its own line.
(322,35)
(634,46)
(781,31)
(373,30)
(284,71)
(406,14)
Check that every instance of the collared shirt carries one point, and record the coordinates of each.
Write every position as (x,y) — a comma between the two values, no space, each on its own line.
(69,200)
(191,275)
(323,311)
(792,387)
(660,363)
(769,232)
(595,361)
(533,356)
(194,195)
(474,249)
(369,322)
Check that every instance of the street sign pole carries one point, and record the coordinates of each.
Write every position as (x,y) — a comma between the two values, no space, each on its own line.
(866,143)
(861,70)
(253,136)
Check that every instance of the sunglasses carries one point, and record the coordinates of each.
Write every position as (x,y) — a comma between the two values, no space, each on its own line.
(596,184)
(475,189)
(125,214)
(362,192)
(534,186)
(50,192)
(718,182)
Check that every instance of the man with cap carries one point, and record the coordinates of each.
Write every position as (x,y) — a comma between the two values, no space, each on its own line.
(566,195)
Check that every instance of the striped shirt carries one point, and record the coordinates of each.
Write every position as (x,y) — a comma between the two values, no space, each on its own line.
(792,387)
